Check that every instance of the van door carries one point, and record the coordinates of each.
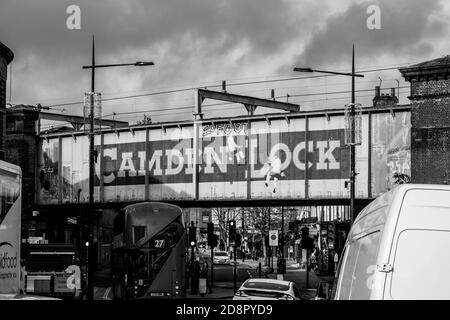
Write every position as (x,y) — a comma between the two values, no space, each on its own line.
(420,255)
(421,266)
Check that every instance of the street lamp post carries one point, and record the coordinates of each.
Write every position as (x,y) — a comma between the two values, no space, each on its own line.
(352,115)
(243,235)
(90,287)
(282,233)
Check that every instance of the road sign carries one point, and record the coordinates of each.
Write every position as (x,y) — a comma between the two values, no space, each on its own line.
(273,238)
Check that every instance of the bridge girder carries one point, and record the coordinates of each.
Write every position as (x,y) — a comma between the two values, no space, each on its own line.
(250,103)
(78,121)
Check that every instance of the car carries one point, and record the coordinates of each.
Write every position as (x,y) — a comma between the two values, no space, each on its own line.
(221,257)
(25,297)
(267,289)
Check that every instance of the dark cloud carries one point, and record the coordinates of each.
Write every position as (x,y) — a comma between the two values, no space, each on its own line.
(407,30)
(184,37)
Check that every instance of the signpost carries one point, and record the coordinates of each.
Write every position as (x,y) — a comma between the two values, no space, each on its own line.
(273,241)
(273,238)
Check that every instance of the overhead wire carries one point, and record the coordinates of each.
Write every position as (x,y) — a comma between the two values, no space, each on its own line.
(214,86)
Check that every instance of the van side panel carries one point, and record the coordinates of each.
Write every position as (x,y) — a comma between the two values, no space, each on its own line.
(420,253)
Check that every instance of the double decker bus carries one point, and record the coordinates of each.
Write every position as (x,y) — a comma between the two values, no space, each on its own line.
(148,252)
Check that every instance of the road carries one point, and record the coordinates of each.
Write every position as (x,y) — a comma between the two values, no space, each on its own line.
(223,280)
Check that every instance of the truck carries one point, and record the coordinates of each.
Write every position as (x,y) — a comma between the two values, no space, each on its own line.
(15,284)
(10,241)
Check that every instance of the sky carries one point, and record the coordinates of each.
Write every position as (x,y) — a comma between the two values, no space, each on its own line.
(200,43)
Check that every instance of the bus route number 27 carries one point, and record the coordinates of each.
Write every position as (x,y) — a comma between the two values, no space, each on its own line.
(159,243)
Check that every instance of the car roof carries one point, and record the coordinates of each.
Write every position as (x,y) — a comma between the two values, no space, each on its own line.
(26,297)
(275,281)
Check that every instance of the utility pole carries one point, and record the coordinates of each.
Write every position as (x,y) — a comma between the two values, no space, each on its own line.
(352,145)
(92,155)
(282,233)
(269,247)
(307,268)
(212,270)
(90,289)
(234,269)
(352,127)
(243,234)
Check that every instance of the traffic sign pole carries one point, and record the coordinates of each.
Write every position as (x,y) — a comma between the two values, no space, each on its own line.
(234,269)
(212,269)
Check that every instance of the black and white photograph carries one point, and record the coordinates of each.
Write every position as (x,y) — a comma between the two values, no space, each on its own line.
(228,156)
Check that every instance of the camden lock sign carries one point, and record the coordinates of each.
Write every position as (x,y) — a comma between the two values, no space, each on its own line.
(172,161)
(302,158)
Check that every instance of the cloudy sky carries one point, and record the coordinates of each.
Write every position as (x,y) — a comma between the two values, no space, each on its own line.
(199,43)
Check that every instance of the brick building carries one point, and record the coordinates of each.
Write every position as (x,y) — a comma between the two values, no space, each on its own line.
(6,56)
(20,142)
(430,119)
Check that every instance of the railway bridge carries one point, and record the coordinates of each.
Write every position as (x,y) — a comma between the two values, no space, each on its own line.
(223,162)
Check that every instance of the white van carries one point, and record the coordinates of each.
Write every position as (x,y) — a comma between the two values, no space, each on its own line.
(399,247)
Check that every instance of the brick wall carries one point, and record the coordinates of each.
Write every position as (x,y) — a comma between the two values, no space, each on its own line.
(430,160)
(21,149)
(430,120)
(6,56)
(3,74)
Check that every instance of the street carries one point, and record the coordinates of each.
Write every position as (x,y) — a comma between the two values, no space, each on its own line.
(223,279)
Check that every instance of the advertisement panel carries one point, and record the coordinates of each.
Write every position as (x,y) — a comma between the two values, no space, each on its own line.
(10,221)
(75,169)
(223,161)
(391,149)
(278,159)
(123,166)
(328,158)
(48,184)
(282,158)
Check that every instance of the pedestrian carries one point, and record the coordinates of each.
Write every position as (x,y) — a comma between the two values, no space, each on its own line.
(336,260)
(195,276)
(203,279)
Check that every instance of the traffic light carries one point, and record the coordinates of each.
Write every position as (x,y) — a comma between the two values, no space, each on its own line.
(292,226)
(192,237)
(214,241)
(238,240)
(305,242)
(212,238)
(210,229)
(281,266)
(232,230)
